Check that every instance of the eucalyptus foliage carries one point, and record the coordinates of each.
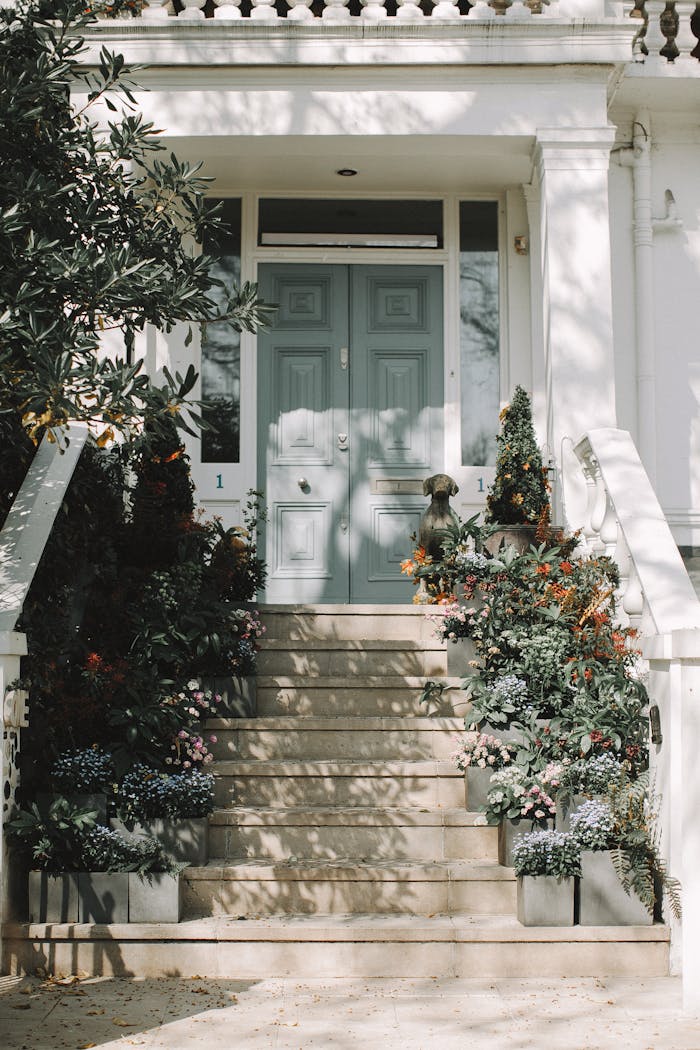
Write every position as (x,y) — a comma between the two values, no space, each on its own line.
(96,229)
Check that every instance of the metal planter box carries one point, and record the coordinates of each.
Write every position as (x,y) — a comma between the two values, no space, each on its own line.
(477,782)
(602,900)
(155,898)
(103,896)
(545,900)
(53,898)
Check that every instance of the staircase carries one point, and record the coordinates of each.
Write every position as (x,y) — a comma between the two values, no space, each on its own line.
(341,842)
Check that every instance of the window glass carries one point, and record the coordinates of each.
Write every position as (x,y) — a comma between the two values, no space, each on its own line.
(366,223)
(479,330)
(221,351)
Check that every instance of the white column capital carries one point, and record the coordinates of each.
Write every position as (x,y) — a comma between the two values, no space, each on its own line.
(580,149)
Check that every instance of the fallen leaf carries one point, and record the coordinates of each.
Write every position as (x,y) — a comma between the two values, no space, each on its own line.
(123,1024)
(86,1046)
(21,1006)
(94,1013)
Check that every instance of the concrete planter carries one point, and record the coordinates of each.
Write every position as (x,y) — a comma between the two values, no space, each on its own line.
(562,820)
(602,900)
(545,900)
(477,782)
(519,536)
(155,898)
(182,840)
(507,734)
(103,896)
(238,695)
(459,652)
(508,831)
(53,898)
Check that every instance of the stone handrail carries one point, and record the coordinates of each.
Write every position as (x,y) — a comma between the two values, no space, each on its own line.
(625,520)
(22,541)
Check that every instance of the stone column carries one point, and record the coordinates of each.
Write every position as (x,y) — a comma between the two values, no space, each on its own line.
(571,173)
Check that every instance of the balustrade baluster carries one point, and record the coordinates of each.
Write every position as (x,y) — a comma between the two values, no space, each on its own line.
(373,10)
(153,11)
(336,11)
(686,41)
(600,507)
(264,11)
(480,10)
(608,528)
(589,533)
(518,12)
(654,38)
(408,11)
(192,11)
(445,9)
(227,9)
(300,11)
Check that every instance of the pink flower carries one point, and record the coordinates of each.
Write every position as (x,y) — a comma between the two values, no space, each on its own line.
(213,739)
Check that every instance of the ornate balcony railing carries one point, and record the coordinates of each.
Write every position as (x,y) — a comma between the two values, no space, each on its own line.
(668,30)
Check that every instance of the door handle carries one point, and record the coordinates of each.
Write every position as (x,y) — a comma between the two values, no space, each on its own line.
(303,483)
(343,442)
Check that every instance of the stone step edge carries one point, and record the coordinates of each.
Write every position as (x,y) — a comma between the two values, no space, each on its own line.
(344,816)
(357,681)
(351,645)
(348,870)
(340,723)
(407,609)
(340,928)
(347,767)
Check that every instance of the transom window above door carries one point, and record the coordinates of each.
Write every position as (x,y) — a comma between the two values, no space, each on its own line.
(350,223)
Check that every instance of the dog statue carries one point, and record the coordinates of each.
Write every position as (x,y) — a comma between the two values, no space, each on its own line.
(436,518)
(439,514)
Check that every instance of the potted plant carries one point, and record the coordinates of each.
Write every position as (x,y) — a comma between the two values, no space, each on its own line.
(519,497)
(516,800)
(499,702)
(546,863)
(89,873)
(617,873)
(584,779)
(170,807)
(127,881)
(479,755)
(86,776)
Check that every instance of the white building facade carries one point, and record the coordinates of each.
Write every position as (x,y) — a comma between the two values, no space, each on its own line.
(524,203)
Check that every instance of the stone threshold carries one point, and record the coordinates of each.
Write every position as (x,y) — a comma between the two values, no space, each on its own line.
(348,928)
(343,723)
(374,768)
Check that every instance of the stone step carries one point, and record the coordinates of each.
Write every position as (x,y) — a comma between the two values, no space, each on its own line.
(358,696)
(339,946)
(338,783)
(336,738)
(303,623)
(321,833)
(350,658)
(257,887)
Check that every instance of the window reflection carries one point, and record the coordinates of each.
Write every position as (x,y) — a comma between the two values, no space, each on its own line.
(479,331)
(221,352)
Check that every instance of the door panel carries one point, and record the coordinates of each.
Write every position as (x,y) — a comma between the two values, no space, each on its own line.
(396,419)
(350,380)
(303,406)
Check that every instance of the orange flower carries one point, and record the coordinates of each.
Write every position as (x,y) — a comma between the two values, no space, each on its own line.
(544,570)
(408,567)
(566,567)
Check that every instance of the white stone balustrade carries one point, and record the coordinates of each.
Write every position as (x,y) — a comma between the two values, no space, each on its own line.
(646,49)
(624,519)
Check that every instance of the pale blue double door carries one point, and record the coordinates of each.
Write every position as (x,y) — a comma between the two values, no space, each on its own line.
(350,381)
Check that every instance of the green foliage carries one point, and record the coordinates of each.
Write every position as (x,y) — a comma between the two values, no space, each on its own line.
(53,837)
(519,495)
(94,228)
(103,849)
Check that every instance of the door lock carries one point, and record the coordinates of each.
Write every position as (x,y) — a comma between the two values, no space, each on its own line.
(343,442)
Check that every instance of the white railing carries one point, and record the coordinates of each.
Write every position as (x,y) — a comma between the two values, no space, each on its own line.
(666,31)
(22,541)
(624,520)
